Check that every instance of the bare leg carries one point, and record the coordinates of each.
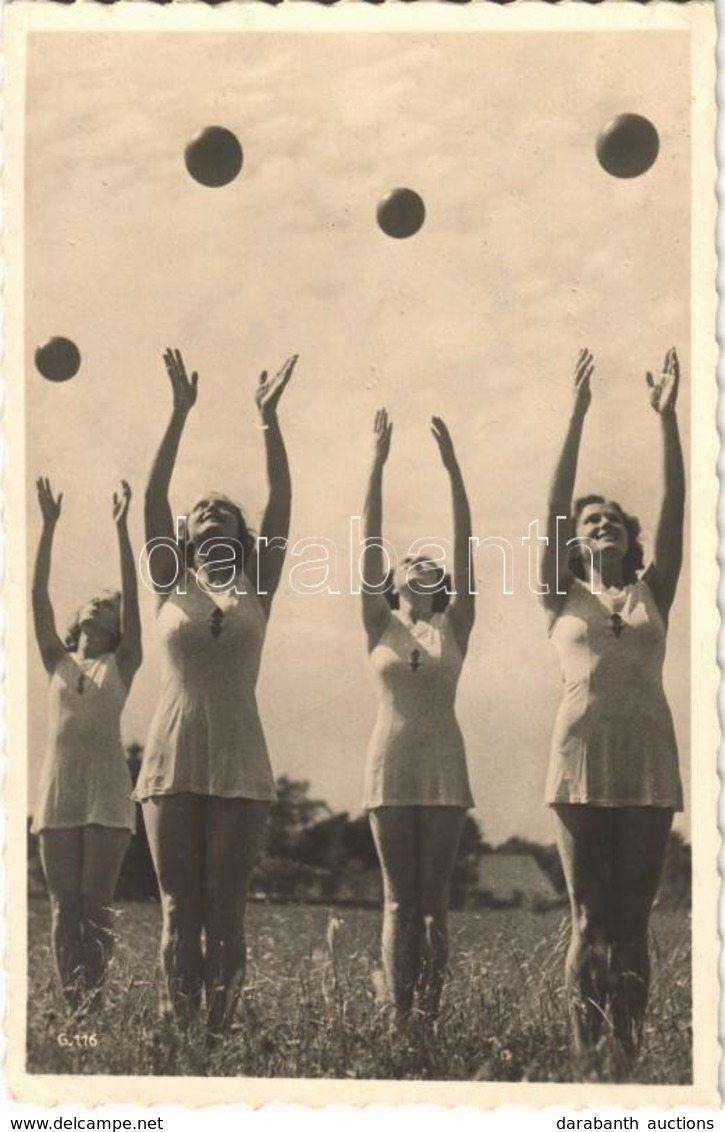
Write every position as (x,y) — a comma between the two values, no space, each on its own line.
(395,832)
(641,834)
(61,854)
(103,851)
(175,827)
(585,842)
(440,830)
(234,828)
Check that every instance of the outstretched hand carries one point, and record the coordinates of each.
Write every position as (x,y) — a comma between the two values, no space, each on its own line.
(184,387)
(442,438)
(663,392)
(49,506)
(121,501)
(382,432)
(270,389)
(582,378)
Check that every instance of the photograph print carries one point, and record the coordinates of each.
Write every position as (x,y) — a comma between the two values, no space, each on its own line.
(362,545)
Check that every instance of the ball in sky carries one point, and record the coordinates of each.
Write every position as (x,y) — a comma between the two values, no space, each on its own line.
(628,146)
(214,156)
(58,359)
(401,213)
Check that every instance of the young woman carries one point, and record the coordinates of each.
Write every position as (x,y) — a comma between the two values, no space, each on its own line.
(84,815)
(613,778)
(206,782)
(416,785)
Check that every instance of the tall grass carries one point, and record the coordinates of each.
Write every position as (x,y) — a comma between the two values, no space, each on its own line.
(313,1004)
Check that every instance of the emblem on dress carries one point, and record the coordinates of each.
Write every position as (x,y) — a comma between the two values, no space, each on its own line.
(415,660)
(216,622)
(617,624)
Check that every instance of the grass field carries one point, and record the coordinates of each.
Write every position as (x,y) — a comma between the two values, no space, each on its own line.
(312,1004)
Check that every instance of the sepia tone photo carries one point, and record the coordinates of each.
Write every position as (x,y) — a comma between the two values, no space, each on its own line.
(362,561)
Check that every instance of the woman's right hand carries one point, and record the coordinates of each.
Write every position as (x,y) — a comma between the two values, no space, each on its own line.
(184,387)
(382,432)
(49,506)
(121,501)
(582,378)
(663,391)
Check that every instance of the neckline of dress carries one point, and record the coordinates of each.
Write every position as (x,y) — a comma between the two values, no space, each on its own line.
(231,590)
(613,601)
(414,626)
(89,659)
(608,591)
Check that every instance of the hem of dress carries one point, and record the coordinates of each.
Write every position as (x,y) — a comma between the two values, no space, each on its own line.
(82,824)
(418,802)
(147,795)
(608,803)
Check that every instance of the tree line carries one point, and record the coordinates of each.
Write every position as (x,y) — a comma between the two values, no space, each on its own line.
(313,853)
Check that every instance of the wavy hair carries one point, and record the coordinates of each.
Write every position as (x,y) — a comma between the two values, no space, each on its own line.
(245,536)
(633,560)
(73,632)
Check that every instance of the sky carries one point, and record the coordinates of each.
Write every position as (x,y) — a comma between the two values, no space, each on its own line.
(529,251)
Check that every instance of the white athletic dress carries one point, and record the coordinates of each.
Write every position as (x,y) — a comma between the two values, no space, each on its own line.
(614,741)
(85,778)
(206,736)
(416,754)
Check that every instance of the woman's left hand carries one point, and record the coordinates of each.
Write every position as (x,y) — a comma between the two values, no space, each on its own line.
(442,438)
(121,501)
(663,392)
(271,389)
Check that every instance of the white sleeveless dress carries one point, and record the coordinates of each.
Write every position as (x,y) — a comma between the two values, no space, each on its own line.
(416,754)
(85,778)
(206,736)
(614,741)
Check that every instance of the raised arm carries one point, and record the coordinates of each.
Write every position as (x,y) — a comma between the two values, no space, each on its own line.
(159,521)
(274,531)
(128,653)
(375,609)
(667,558)
(555,559)
(462,607)
(50,645)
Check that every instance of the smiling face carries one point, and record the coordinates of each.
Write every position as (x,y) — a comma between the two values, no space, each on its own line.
(600,525)
(213,516)
(418,580)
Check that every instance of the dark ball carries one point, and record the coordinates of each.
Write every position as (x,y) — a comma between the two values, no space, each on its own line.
(58,359)
(214,157)
(401,213)
(628,146)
